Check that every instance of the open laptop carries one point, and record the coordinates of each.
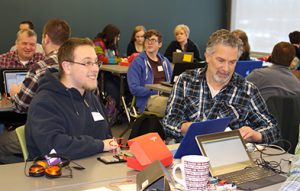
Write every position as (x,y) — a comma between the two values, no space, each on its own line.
(180,68)
(179,57)
(230,161)
(10,77)
(245,67)
(188,145)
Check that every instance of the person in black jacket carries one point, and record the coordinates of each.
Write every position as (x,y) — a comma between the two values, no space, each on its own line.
(136,44)
(182,43)
(65,115)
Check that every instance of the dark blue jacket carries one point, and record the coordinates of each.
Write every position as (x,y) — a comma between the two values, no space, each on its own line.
(60,118)
(140,73)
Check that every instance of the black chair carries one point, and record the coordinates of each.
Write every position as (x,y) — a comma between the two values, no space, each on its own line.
(286,109)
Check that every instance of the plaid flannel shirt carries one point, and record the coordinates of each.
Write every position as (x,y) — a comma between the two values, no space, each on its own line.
(11,60)
(191,101)
(29,87)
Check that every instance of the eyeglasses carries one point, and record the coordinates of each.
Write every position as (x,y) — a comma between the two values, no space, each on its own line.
(88,63)
(152,40)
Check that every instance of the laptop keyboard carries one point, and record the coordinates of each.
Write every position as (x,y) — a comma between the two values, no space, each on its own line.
(247,175)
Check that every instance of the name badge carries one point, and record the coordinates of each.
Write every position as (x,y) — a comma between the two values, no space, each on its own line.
(160,68)
(97,116)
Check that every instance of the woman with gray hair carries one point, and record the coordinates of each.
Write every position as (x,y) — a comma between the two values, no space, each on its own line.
(182,43)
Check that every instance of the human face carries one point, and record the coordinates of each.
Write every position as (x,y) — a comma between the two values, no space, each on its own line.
(83,77)
(25,46)
(181,36)
(24,26)
(139,37)
(152,45)
(221,64)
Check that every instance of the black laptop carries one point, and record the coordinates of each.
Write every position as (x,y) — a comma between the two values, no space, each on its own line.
(182,67)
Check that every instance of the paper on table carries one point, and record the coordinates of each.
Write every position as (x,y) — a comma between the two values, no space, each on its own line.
(127,187)
(99,189)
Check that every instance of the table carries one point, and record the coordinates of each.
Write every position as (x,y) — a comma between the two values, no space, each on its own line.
(159,88)
(120,71)
(94,176)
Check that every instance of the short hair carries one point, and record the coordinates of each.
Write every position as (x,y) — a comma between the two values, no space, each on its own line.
(108,35)
(226,38)
(183,27)
(57,30)
(136,30)
(294,37)
(283,53)
(243,36)
(66,50)
(28,32)
(29,23)
(153,32)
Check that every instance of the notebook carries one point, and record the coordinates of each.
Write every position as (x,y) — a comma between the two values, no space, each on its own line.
(179,57)
(10,77)
(244,68)
(188,145)
(180,68)
(230,161)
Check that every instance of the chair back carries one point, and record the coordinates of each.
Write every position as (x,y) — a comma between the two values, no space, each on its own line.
(286,110)
(21,136)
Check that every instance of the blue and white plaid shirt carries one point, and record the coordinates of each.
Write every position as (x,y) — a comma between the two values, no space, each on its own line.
(191,101)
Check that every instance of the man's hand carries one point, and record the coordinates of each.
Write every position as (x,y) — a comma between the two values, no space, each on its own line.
(250,135)
(110,144)
(184,127)
(14,89)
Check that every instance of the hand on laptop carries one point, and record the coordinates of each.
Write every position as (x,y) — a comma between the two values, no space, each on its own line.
(14,89)
(250,135)
(184,127)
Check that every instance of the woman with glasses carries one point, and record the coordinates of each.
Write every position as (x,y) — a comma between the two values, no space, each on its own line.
(182,43)
(136,44)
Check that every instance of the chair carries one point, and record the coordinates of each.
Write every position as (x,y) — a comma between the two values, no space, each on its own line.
(21,136)
(286,110)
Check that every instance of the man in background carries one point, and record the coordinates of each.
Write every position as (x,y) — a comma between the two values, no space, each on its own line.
(25,55)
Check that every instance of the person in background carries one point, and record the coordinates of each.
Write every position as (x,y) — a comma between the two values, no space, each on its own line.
(65,115)
(25,55)
(55,33)
(295,41)
(182,43)
(136,44)
(28,25)
(246,46)
(149,67)
(278,79)
(106,44)
(216,91)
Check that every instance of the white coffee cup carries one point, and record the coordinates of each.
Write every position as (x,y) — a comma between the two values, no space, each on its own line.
(194,172)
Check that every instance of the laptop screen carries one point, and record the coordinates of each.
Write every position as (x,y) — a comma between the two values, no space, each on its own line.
(13,77)
(226,152)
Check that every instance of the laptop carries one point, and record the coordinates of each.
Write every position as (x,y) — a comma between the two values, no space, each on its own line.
(10,77)
(245,67)
(230,161)
(180,68)
(188,145)
(179,57)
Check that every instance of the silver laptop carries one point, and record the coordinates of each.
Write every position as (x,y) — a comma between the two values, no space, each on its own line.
(13,76)
(180,57)
(230,161)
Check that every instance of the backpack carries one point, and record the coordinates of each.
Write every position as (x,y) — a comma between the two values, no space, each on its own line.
(111,109)
(146,124)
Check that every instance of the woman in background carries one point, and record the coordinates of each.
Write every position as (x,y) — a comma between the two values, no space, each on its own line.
(106,44)
(136,44)
(182,43)
(246,47)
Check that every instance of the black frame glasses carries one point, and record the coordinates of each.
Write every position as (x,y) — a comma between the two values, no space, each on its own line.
(88,63)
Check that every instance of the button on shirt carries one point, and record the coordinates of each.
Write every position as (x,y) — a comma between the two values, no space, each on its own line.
(191,101)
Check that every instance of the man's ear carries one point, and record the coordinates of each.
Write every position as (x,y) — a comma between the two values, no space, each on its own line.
(160,44)
(66,67)
(46,39)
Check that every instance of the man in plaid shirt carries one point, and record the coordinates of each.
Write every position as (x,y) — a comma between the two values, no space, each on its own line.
(55,33)
(25,55)
(216,91)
